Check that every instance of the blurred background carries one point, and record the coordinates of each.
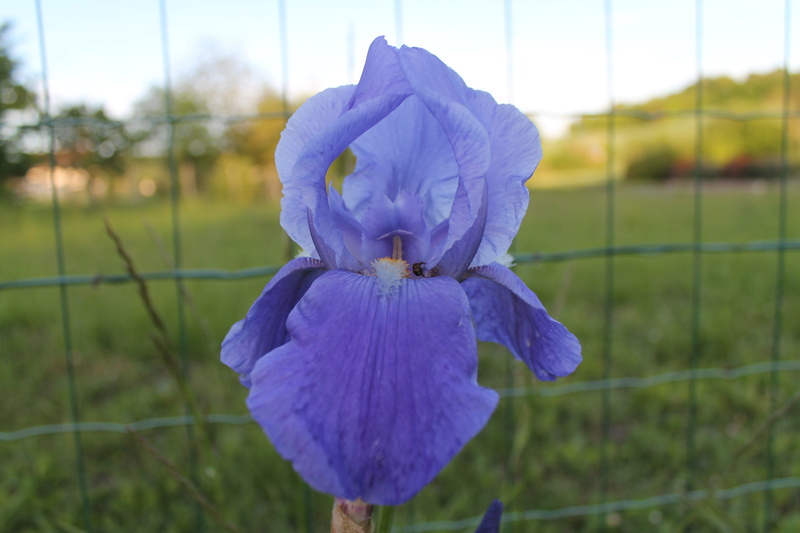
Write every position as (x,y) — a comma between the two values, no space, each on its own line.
(139,208)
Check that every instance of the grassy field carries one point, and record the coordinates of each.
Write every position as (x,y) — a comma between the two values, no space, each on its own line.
(538,452)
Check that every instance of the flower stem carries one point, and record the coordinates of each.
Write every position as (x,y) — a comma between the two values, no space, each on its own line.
(385,519)
(351,516)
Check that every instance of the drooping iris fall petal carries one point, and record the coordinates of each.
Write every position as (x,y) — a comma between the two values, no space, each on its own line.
(506,311)
(374,393)
(264,327)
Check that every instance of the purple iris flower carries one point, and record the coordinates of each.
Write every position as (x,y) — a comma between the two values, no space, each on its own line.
(361,358)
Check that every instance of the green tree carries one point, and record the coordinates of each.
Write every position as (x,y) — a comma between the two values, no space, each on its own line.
(664,146)
(258,138)
(14,97)
(195,142)
(252,144)
(87,138)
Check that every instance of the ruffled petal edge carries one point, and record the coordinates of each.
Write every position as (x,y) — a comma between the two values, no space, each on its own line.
(506,311)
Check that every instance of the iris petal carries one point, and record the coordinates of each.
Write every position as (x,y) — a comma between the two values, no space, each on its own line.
(516,151)
(314,115)
(447,98)
(408,150)
(455,260)
(373,394)
(264,327)
(427,72)
(508,312)
(402,217)
(346,223)
(318,154)
(319,132)
(382,74)
(512,139)
(491,519)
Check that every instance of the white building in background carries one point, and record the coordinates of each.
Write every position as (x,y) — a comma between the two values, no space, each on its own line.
(70,183)
(74,185)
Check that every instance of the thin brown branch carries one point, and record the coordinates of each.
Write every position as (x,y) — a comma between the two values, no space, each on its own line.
(162,341)
(141,285)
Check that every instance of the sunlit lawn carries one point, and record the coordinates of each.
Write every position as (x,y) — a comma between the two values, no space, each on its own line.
(538,452)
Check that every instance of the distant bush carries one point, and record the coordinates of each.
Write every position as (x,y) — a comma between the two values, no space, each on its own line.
(748,167)
(653,164)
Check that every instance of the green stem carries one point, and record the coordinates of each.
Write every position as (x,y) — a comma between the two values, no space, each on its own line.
(385,519)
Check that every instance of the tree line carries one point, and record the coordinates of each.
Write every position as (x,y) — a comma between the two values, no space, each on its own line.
(736,133)
(219,122)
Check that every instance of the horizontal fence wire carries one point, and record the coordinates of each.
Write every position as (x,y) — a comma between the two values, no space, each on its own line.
(509,517)
(210,274)
(154,120)
(662,500)
(702,374)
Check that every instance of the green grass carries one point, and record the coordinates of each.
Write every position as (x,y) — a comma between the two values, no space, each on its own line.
(536,453)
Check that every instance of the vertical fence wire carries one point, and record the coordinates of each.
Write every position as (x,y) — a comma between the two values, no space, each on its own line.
(177,251)
(288,243)
(697,254)
(304,508)
(509,34)
(610,238)
(351,54)
(510,411)
(284,40)
(780,266)
(398,21)
(66,325)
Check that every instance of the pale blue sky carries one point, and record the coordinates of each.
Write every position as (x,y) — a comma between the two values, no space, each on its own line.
(110,51)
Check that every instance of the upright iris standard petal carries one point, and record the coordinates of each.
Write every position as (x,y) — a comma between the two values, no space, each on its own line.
(516,152)
(509,313)
(315,114)
(428,73)
(375,392)
(455,261)
(470,145)
(319,134)
(513,142)
(264,327)
(407,151)
(382,74)
(312,166)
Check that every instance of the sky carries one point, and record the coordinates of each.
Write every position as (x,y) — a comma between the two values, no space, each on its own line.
(110,51)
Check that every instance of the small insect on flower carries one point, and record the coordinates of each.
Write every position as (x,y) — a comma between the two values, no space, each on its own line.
(350,357)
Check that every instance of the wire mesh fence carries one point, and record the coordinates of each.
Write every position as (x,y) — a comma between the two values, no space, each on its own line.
(690,387)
